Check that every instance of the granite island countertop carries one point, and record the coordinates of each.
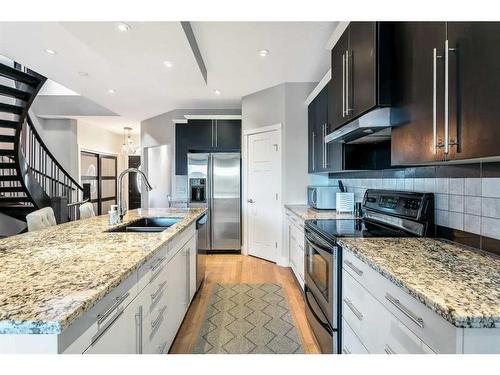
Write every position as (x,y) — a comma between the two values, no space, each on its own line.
(50,277)
(307,213)
(459,283)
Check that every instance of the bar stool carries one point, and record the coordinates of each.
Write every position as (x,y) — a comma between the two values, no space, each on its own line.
(87,210)
(41,219)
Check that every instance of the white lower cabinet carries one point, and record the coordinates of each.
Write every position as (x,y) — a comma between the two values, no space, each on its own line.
(146,319)
(350,342)
(295,243)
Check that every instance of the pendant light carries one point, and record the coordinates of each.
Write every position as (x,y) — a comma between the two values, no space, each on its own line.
(128,147)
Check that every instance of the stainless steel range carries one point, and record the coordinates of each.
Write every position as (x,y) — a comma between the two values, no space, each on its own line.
(386,214)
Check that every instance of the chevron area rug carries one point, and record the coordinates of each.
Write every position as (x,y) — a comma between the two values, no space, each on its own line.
(248,319)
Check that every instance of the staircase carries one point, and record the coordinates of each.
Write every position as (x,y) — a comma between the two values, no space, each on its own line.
(30,176)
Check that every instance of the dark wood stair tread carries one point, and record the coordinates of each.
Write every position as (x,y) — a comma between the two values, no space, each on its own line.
(15,74)
(8,124)
(9,108)
(14,92)
(11,189)
(7,138)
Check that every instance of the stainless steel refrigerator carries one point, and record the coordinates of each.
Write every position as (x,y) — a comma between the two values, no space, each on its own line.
(214,182)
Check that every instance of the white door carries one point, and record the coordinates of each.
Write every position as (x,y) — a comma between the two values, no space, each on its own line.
(263,195)
(159,175)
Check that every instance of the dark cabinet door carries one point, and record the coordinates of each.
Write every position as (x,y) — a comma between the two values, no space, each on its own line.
(201,135)
(311,136)
(321,124)
(337,107)
(227,135)
(334,150)
(181,148)
(361,68)
(474,89)
(413,87)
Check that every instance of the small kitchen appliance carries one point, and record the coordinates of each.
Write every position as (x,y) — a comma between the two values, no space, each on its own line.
(321,197)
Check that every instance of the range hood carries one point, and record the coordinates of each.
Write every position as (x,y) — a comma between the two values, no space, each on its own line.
(368,127)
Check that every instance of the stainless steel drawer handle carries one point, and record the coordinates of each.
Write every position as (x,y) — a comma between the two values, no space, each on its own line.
(103,316)
(354,310)
(161,347)
(353,267)
(138,323)
(108,324)
(346,351)
(388,350)
(157,264)
(158,291)
(414,318)
(158,319)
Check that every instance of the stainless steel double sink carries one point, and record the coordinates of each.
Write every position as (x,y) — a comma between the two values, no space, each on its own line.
(147,225)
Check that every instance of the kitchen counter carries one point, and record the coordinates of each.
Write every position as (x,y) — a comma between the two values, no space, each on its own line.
(307,213)
(51,277)
(459,283)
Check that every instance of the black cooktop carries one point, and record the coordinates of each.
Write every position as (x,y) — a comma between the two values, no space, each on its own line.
(332,229)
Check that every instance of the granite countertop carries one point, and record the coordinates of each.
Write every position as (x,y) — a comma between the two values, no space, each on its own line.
(307,213)
(457,282)
(48,278)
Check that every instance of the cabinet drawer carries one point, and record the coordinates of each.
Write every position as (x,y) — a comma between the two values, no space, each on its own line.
(364,314)
(350,342)
(296,220)
(400,340)
(154,331)
(180,240)
(152,269)
(431,328)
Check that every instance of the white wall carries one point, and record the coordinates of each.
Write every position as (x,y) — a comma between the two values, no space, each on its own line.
(160,130)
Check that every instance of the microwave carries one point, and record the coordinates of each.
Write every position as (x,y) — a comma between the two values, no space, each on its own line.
(322,197)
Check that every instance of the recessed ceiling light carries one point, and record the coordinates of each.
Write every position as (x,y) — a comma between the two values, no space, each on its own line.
(83,74)
(217,92)
(50,51)
(111,91)
(263,52)
(168,64)
(122,26)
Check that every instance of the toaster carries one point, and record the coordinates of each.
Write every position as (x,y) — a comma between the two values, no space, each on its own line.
(322,197)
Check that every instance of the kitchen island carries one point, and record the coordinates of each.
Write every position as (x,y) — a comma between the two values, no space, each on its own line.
(64,288)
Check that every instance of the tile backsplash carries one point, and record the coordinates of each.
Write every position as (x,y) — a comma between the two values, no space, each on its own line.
(467,204)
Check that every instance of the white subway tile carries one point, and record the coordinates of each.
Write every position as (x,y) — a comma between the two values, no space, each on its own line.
(442,218)
(456,220)
(442,185)
(400,184)
(473,186)
(473,205)
(491,187)
(490,227)
(490,207)
(418,184)
(430,185)
(472,223)
(456,186)
(456,203)
(409,184)
(441,201)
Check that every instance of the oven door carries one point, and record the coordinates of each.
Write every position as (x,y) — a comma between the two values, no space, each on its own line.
(321,274)
(326,337)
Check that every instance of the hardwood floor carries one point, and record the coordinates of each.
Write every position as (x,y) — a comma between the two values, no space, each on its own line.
(228,268)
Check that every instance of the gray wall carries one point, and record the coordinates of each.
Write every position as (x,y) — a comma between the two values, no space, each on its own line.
(160,130)
(284,104)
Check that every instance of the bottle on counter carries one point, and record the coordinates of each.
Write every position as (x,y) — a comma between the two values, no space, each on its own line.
(113,215)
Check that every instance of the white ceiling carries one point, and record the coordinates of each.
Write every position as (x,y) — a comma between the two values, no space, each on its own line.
(131,62)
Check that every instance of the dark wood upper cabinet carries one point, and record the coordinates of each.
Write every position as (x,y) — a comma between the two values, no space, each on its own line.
(205,136)
(311,139)
(337,106)
(414,44)
(361,70)
(227,135)
(473,77)
(474,89)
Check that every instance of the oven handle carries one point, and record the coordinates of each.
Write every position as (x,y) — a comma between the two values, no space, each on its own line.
(324,324)
(310,241)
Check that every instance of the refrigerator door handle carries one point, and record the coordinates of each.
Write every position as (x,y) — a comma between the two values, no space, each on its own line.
(211,198)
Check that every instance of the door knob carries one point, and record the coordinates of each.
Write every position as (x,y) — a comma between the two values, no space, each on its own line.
(251,201)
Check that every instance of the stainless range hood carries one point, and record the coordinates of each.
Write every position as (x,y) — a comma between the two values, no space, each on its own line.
(369,126)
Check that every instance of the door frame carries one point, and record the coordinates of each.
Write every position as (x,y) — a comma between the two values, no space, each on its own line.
(244,194)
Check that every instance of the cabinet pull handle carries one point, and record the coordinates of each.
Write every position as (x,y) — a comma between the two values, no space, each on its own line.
(103,316)
(324,146)
(314,150)
(108,324)
(354,310)
(158,291)
(447,141)
(138,322)
(216,134)
(388,350)
(346,351)
(161,348)
(347,109)
(343,85)
(414,318)
(434,102)
(158,319)
(353,267)
(157,263)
